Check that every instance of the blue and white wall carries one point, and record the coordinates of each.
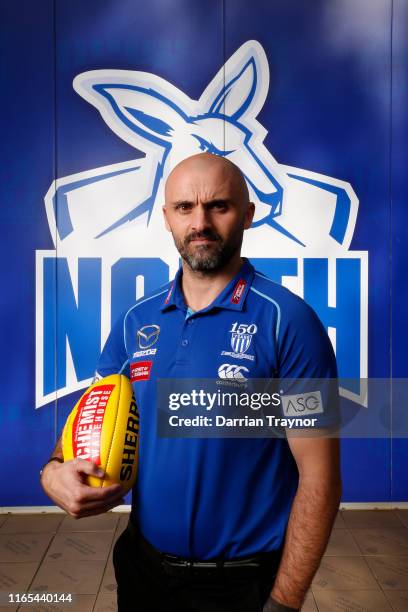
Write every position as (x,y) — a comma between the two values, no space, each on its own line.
(101,99)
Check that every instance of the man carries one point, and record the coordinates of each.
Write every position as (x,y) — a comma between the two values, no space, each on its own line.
(216,524)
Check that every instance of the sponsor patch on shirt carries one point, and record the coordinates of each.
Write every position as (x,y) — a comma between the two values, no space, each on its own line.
(238,291)
(166,301)
(145,353)
(238,355)
(302,403)
(237,372)
(140,370)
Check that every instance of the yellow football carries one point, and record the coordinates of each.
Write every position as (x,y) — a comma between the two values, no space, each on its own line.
(104,428)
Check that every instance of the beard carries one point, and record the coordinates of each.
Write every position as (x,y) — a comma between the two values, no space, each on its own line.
(208,257)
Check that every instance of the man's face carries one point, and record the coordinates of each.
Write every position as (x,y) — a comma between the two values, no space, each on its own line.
(206,212)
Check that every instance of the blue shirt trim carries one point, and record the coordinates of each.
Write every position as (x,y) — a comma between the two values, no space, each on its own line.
(278,319)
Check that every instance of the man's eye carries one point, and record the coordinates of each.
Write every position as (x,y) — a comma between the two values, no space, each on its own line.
(219,206)
(183,207)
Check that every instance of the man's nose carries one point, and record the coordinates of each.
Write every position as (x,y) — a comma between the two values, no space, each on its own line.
(200,218)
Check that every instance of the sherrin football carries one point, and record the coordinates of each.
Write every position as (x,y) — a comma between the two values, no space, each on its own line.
(104,428)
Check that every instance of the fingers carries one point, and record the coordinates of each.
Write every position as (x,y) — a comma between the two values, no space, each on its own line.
(79,509)
(85,494)
(87,467)
(66,485)
(88,493)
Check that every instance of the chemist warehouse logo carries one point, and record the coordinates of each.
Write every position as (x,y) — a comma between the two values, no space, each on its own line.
(111,246)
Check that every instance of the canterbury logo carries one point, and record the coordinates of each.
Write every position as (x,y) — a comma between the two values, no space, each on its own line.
(148,335)
(232,371)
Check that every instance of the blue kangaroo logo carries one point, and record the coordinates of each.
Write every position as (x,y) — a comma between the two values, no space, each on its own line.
(155,117)
(111,217)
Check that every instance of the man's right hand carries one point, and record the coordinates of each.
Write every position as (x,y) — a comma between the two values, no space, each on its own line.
(65,484)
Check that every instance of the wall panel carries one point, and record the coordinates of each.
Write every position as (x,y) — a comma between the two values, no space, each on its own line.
(314,112)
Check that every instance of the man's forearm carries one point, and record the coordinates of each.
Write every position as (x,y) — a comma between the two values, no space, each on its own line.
(57,452)
(311,519)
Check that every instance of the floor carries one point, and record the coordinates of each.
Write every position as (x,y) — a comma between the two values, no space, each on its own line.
(365,568)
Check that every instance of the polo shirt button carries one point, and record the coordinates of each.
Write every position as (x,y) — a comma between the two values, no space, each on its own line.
(184,342)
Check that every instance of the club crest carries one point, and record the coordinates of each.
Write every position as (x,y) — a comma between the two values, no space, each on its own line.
(111,246)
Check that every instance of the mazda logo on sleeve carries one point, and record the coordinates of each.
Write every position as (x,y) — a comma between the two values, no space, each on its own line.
(148,335)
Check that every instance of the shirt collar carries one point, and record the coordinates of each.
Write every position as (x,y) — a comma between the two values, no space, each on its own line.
(232,297)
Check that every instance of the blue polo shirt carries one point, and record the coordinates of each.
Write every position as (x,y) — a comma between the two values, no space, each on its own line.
(223,497)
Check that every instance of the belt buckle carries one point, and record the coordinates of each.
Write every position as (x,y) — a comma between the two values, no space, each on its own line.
(176,566)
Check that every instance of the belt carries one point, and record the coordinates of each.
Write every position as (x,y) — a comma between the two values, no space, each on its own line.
(176,566)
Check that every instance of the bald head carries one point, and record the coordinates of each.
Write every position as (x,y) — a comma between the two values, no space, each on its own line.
(210,173)
(207,210)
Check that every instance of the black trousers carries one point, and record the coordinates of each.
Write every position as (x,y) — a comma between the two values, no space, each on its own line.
(144,584)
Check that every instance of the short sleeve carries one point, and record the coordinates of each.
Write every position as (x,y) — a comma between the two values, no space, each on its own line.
(307,367)
(114,358)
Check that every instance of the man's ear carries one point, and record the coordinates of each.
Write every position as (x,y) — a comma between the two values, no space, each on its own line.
(249,215)
(166,224)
